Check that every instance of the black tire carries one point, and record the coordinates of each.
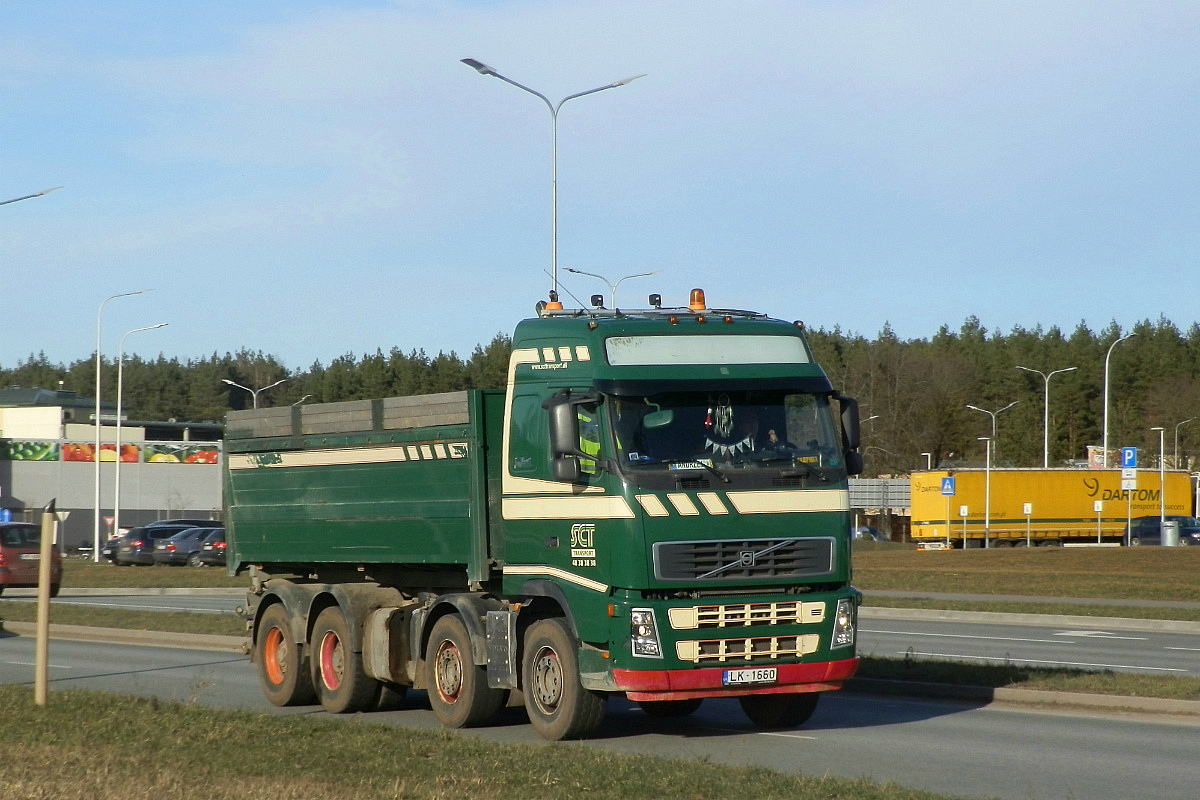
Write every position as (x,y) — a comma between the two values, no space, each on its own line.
(458,689)
(779,710)
(54,587)
(559,707)
(193,560)
(343,686)
(665,709)
(283,671)
(1135,542)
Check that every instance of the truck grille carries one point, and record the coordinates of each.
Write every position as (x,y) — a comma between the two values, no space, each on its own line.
(735,560)
(733,615)
(764,648)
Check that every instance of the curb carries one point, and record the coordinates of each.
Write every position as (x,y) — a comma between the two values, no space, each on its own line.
(82,633)
(1025,697)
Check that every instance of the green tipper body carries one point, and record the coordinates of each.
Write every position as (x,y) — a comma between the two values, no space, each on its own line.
(673,484)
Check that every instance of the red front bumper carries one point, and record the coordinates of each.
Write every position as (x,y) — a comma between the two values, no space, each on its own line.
(683,684)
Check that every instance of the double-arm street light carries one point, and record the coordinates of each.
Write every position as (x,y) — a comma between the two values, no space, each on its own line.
(42,193)
(1046,424)
(1107,356)
(612,287)
(993,414)
(484,69)
(120,389)
(254,393)
(96,421)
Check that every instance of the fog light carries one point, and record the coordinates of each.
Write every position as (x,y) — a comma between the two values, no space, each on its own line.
(843,624)
(643,633)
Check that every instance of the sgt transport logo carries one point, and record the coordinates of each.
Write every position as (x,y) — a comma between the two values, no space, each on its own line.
(583,544)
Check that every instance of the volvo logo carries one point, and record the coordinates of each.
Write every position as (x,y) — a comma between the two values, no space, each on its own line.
(746,558)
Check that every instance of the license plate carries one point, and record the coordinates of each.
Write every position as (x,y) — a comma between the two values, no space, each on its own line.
(31,557)
(743,677)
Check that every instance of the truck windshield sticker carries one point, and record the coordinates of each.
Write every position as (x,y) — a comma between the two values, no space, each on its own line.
(662,351)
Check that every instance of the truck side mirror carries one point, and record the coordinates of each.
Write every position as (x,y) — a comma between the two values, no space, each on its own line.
(851,437)
(564,435)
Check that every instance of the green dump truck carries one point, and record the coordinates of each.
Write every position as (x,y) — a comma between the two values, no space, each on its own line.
(656,507)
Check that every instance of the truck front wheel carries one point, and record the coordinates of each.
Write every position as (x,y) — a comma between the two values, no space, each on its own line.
(342,684)
(779,710)
(458,690)
(282,671)
(559,707)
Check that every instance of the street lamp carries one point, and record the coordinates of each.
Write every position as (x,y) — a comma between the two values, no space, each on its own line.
(120,390)
(96,421)
(612,287)
(1106,358)
(1162,485)
(1175,457)
(987,492)
(42,193)
(484,69)
(993,414)
(254,393)
(1046,425)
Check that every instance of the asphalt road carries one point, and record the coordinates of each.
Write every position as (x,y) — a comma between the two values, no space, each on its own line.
(952,748)
(1138,646)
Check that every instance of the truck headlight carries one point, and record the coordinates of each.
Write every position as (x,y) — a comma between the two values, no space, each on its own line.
(643,633)
(843,624)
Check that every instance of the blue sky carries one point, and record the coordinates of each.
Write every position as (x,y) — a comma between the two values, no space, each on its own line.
(311,179)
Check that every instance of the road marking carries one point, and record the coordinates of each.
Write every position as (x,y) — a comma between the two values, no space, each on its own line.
(1011,660)
(761,733)
(1184,649)
(32,664)
(963,636)
(1100,635)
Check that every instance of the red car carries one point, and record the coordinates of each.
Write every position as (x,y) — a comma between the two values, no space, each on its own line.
(20,555)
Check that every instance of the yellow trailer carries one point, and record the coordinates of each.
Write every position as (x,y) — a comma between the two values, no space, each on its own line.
(968,507)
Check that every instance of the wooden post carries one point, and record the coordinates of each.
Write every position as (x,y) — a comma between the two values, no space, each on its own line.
(42,658)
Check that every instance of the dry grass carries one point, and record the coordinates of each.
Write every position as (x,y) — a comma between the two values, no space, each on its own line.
(93,746)
(1126,573)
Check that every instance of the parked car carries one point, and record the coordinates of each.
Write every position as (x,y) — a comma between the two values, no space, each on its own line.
(1146,530)
(109,548)
(869,533)
(212,551)
(137,546)
(180,548)
(21,555)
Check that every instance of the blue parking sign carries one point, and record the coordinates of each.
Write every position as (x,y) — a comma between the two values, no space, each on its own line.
(1128,457)
(948,487)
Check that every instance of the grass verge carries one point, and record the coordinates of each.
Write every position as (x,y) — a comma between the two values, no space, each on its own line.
(1012,676)
(68,750)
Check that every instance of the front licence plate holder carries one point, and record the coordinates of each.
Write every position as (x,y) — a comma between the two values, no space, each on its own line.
(750,677)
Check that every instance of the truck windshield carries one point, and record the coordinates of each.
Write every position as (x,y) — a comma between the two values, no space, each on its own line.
(689,430)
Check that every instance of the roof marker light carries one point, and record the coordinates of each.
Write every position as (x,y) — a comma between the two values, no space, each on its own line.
(554,304)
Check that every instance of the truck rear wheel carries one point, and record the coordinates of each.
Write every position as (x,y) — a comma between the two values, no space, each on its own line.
(779,710)
(282,669)
(558,705)
(342,684)
(458,690)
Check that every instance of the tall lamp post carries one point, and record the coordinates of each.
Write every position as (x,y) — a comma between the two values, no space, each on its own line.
(254,393)
(1107,356)
(987,492)
(612,287)
(1175,456)
(1046,424)
(484,69)
(96,421)
(120,390)
(993,414)
(1162,484)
